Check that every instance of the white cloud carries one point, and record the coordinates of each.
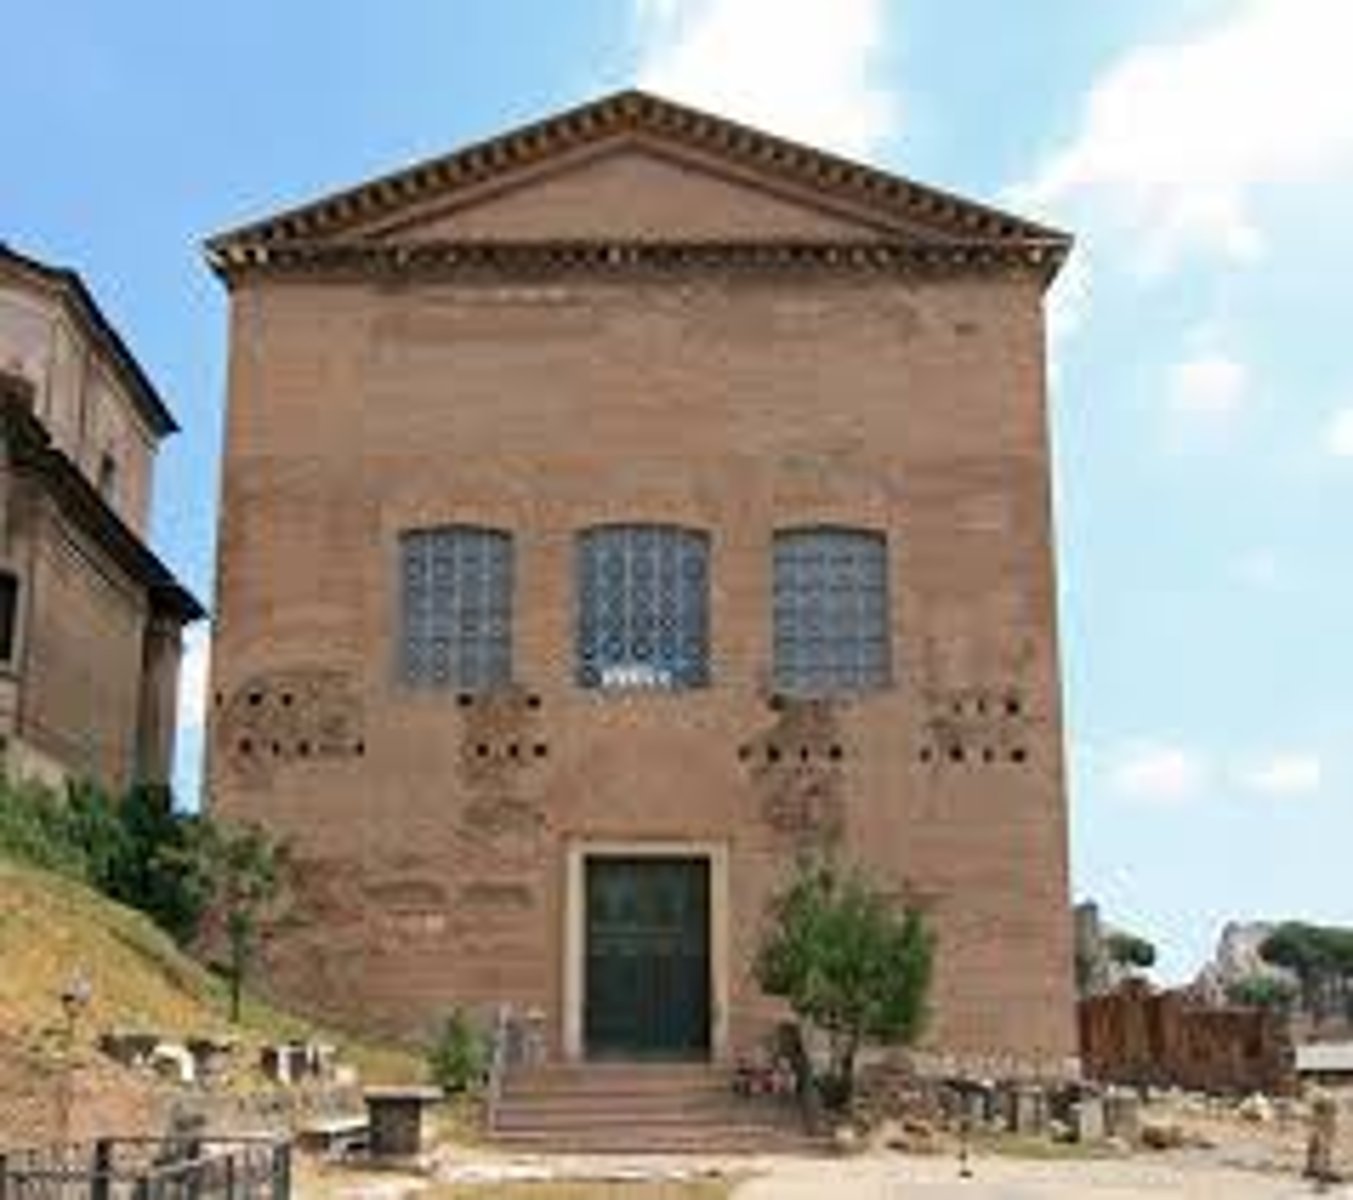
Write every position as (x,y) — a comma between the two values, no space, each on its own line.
(1166,772)
(1339,437)
(1208,386)
(1289,774)
(1159,772)
(807,70)
(193,671)
(1175,139)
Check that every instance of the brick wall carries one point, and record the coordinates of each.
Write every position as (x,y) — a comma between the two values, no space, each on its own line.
(1137,1036)
(432,871)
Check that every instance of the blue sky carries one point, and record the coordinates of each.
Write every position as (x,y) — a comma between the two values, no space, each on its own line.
(1202,150)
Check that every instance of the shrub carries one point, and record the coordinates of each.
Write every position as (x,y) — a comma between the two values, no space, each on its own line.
(54,830)
(458,1057)
(131,848)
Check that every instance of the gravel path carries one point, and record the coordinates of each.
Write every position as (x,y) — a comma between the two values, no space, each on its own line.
(897,1178)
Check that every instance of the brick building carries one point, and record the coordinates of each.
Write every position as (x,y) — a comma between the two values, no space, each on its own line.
(611,510)
(90,619)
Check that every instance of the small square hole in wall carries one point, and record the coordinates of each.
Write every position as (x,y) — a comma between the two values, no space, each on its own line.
(773,753)
(533,701)
(955,753)
(927,754)
(246,747)
(255,699)
(1012,705)
(513,750)
(744,753)
(988,754)
(359,749)
(836,754)
(1019,754)
(303,749)
(541,750)
(464,699)
(286,699)
(482,749)
(804,754)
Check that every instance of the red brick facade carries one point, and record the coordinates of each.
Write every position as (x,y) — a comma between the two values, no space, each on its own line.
(636,313)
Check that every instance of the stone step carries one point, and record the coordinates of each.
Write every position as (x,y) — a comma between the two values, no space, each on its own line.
(577,1116)
(618,1082)
(642,1107)
(715,1106)
(687,1140)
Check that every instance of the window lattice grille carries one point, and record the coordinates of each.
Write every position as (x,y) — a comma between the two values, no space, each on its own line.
(643,607)
(457,608)
(830,611)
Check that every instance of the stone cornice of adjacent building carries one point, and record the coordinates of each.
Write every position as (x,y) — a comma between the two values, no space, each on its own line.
(84,310)
(920,227)
(30,449)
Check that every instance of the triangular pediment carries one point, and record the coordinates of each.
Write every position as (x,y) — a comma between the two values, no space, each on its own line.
(636,167)
(629,189)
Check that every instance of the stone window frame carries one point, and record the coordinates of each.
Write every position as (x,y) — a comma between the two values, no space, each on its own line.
(463,655)
(862,661)
(687,626)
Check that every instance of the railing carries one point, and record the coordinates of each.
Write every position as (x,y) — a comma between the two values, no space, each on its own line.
(187,1168)
(498,1059)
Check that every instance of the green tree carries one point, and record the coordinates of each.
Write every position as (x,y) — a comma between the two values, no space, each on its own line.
(1321,957)
(154,874)
(850,961)
(1129,950)
(1262,991)
(242,868)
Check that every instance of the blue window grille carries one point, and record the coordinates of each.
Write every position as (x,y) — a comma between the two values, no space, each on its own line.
(456,608)
(831,618)
(643,607)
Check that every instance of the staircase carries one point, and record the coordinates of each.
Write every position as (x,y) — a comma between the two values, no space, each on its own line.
(636,1108)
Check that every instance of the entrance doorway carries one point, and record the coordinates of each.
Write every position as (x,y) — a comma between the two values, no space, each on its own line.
(647,957)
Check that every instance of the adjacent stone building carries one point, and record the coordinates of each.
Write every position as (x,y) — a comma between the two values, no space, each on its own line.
(90,619)
(613,510)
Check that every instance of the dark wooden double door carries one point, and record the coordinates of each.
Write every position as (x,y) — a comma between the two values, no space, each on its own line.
(648,964)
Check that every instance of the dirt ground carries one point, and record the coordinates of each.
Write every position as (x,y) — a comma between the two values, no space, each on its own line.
(1224,1157)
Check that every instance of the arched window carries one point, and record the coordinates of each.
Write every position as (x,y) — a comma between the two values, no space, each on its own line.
(643,607)
(831,616)
(456,608)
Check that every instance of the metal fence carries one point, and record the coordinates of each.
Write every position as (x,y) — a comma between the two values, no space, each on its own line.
(189,1168)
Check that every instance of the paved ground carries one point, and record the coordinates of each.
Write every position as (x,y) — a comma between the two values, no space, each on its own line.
(897,1178)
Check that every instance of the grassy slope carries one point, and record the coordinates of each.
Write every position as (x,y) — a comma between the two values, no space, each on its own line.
(50,927)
